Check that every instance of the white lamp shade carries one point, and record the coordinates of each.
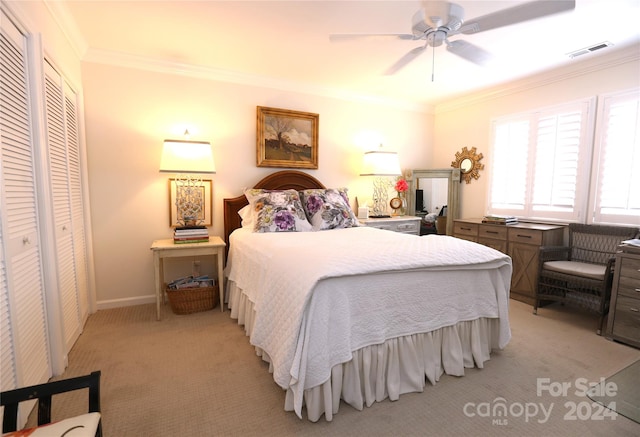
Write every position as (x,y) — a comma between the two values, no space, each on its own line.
(379,163)
(179,156)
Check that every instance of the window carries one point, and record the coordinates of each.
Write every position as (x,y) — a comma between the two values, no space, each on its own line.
(542,162)
(617,197)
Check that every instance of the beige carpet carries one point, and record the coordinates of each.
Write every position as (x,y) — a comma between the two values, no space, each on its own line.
(197,375)
(620,392)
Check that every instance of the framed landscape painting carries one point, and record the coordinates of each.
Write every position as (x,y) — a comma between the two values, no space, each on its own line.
(286,138)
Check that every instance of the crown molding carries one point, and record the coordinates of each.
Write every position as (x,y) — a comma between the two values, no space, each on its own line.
(580,68)
(125,60)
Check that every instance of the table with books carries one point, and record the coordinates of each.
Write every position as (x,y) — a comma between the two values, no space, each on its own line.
(172,248)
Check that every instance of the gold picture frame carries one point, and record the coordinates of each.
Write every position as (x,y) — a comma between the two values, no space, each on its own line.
(286,138)
(205,217)
(469,164)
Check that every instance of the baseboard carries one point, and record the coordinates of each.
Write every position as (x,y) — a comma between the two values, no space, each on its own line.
(125,302)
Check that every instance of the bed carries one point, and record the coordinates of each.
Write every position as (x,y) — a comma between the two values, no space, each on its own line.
(358,314)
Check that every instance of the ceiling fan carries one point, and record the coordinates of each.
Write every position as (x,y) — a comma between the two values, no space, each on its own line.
(436,21)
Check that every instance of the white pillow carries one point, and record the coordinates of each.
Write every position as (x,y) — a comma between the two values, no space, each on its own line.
(246,216)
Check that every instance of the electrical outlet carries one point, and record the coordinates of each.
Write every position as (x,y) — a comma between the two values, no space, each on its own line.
(195,268)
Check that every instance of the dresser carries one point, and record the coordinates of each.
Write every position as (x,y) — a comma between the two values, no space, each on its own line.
(521,241)
(406,224)
(624,310)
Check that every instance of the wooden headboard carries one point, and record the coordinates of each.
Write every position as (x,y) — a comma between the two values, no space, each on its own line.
(281,180)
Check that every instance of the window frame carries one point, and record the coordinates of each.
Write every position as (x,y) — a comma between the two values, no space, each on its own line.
(587,107)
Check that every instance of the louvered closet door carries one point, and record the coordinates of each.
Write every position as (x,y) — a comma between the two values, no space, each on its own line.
(74,163)
(62,144)
(25,349)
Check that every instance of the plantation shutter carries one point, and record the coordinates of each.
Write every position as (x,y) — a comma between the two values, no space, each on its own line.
(618,195)
(540,163)
(509,182)
(25,356)
(557,152)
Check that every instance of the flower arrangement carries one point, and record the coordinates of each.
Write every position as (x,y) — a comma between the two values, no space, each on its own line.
(401,186)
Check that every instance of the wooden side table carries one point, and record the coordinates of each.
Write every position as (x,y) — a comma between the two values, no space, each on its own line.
(168,249)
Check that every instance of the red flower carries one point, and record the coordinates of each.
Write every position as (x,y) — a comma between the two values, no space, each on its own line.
(401,186)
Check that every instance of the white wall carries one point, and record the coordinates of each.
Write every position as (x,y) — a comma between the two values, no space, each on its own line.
(466,123)
(129,112)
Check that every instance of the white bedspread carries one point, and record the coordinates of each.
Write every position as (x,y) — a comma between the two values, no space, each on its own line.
(281,272)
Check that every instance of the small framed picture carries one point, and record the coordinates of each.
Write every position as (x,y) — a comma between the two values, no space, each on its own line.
(286,138)
(194,201)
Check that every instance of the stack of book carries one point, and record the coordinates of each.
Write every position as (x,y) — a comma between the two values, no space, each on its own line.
(190,234)
(500,219)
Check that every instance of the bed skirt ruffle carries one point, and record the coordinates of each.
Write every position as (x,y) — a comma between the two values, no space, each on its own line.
(387,370)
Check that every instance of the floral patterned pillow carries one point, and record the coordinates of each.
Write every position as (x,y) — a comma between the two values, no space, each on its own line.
(277,211)
(328,208)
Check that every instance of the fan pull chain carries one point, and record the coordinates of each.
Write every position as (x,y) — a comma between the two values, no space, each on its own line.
(433,63)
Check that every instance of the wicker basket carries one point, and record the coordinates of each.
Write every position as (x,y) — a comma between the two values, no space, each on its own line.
(193,300)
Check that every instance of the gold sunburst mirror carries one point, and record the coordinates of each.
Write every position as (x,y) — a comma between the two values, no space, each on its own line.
(469,164)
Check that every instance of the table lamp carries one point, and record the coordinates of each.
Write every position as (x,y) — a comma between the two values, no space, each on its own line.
(188,159)
(380,164)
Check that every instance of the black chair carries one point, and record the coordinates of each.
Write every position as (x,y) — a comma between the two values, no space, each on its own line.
(43,393)
(581,273)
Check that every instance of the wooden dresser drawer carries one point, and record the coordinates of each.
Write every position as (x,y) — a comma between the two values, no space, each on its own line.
(630,268)
(468,229)
(627,318)
(525,236)
(629,277)
(493,231)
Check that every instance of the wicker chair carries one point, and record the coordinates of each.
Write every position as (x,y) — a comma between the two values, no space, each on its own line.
(581,274)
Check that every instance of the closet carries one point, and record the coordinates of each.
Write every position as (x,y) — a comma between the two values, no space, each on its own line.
(44,258)
(25,351)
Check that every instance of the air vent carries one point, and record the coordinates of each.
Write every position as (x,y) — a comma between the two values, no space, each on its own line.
(586,50)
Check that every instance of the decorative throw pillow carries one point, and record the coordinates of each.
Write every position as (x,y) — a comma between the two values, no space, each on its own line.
(328,208)
(277,211)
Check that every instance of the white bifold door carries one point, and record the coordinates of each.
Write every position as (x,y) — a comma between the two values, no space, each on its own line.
(25,350)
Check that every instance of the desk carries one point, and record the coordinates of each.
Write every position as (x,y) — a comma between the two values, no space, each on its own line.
(168,249)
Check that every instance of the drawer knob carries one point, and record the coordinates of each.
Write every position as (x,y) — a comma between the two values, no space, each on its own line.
(524,236)
(635,310)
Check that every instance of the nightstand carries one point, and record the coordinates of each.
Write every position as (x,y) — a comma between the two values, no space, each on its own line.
(406,224)
(168,249)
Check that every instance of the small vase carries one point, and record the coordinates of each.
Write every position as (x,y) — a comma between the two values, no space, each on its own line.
(403,209)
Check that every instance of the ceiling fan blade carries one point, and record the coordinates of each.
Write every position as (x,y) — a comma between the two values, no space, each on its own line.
(400,63)
(355,36)
(470,52)
(516,14)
